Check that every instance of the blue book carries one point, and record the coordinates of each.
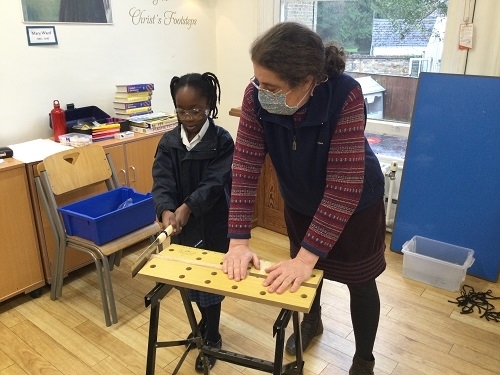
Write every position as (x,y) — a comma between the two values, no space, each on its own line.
(131,105)
(139,87)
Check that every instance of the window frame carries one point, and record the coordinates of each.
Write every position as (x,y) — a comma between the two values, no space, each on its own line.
(453,60)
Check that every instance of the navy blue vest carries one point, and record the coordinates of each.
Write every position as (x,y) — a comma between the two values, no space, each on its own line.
(300,154)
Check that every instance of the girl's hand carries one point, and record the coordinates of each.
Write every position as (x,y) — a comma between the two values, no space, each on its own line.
(290,273)
(168,218)
(182,215)
(237,258)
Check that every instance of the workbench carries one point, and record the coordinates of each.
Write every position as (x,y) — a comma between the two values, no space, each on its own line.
(186,268)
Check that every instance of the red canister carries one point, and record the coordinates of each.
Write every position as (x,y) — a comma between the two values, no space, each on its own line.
(58,120)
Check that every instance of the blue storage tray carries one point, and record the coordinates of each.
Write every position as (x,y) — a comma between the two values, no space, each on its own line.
(98,218)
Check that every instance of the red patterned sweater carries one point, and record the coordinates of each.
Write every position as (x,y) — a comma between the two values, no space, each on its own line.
(344,177)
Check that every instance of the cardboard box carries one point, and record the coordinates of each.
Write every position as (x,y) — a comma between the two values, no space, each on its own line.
(436,263)
(99,218)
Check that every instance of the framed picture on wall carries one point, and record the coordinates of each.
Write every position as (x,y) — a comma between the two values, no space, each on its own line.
(81,11)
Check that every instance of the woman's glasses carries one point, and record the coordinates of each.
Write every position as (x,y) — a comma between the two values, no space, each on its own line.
(193,113)
(254,83)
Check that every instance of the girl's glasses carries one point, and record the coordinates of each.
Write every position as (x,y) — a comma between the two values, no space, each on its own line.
(193,113)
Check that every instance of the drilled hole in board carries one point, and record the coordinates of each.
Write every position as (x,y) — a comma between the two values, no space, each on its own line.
(198,258)
(313,275)
(207,281)
(204,253)
(262,293)
(234,287)
(213,273)
(170,249)
(152,266)
(303,296)
(181,276)
(188,268)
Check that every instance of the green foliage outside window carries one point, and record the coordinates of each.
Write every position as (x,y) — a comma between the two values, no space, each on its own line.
(350,22)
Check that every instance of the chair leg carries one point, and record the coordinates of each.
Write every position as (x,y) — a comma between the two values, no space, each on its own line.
(58,271)
(55,272)
(118,258)
(112,261)
(115,259)
(99,266)
(109,287)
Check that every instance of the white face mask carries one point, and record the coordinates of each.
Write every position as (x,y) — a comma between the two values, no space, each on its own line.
(275,102)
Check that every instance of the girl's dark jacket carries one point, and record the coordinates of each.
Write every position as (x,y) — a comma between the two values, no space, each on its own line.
(201,178)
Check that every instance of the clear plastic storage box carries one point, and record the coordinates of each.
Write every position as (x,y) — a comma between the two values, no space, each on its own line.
(75,139)
(436,263)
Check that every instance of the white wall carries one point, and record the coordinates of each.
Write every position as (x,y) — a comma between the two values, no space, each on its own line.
(484,57)
(91,59)
(237,27)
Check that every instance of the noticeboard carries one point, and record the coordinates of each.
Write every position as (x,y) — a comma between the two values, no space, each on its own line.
(450,186)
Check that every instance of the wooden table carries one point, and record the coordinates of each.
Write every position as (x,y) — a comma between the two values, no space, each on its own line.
(185,268)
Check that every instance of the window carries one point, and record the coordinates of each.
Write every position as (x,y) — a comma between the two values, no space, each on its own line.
(418,65)
(389,43)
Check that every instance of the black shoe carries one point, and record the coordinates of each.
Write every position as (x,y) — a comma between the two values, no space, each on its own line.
(198,365)
(361,366)
(202,326)
(310,327)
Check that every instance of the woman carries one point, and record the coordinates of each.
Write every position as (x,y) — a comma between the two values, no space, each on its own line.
(302,110)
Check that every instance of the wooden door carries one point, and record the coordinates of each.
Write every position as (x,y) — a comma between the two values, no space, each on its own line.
(20,266)
(140,157)
(270,204)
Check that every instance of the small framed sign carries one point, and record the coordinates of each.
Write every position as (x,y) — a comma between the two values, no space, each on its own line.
(41,35)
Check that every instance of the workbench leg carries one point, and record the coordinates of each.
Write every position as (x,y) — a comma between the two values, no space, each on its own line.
(292,368)
(188,306)
(153,299)
(152,339)
(279,333)
(298,343)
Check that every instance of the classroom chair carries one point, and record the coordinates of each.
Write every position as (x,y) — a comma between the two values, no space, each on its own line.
(73,175)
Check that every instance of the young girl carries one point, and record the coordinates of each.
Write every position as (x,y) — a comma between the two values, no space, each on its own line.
(192,180)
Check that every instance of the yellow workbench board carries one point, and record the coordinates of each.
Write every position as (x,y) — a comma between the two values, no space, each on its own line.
(193,268)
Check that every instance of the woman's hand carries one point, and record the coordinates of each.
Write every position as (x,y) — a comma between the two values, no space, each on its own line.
(290,273)
(237,258)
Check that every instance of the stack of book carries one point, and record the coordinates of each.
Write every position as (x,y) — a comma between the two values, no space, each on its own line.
(99,132)
(153,122)
(133,99)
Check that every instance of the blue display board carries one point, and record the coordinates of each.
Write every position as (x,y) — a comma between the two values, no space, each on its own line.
(450,186)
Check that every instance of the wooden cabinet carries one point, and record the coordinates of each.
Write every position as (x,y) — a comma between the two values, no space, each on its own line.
(133,161)
(269,204)
(20,265)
